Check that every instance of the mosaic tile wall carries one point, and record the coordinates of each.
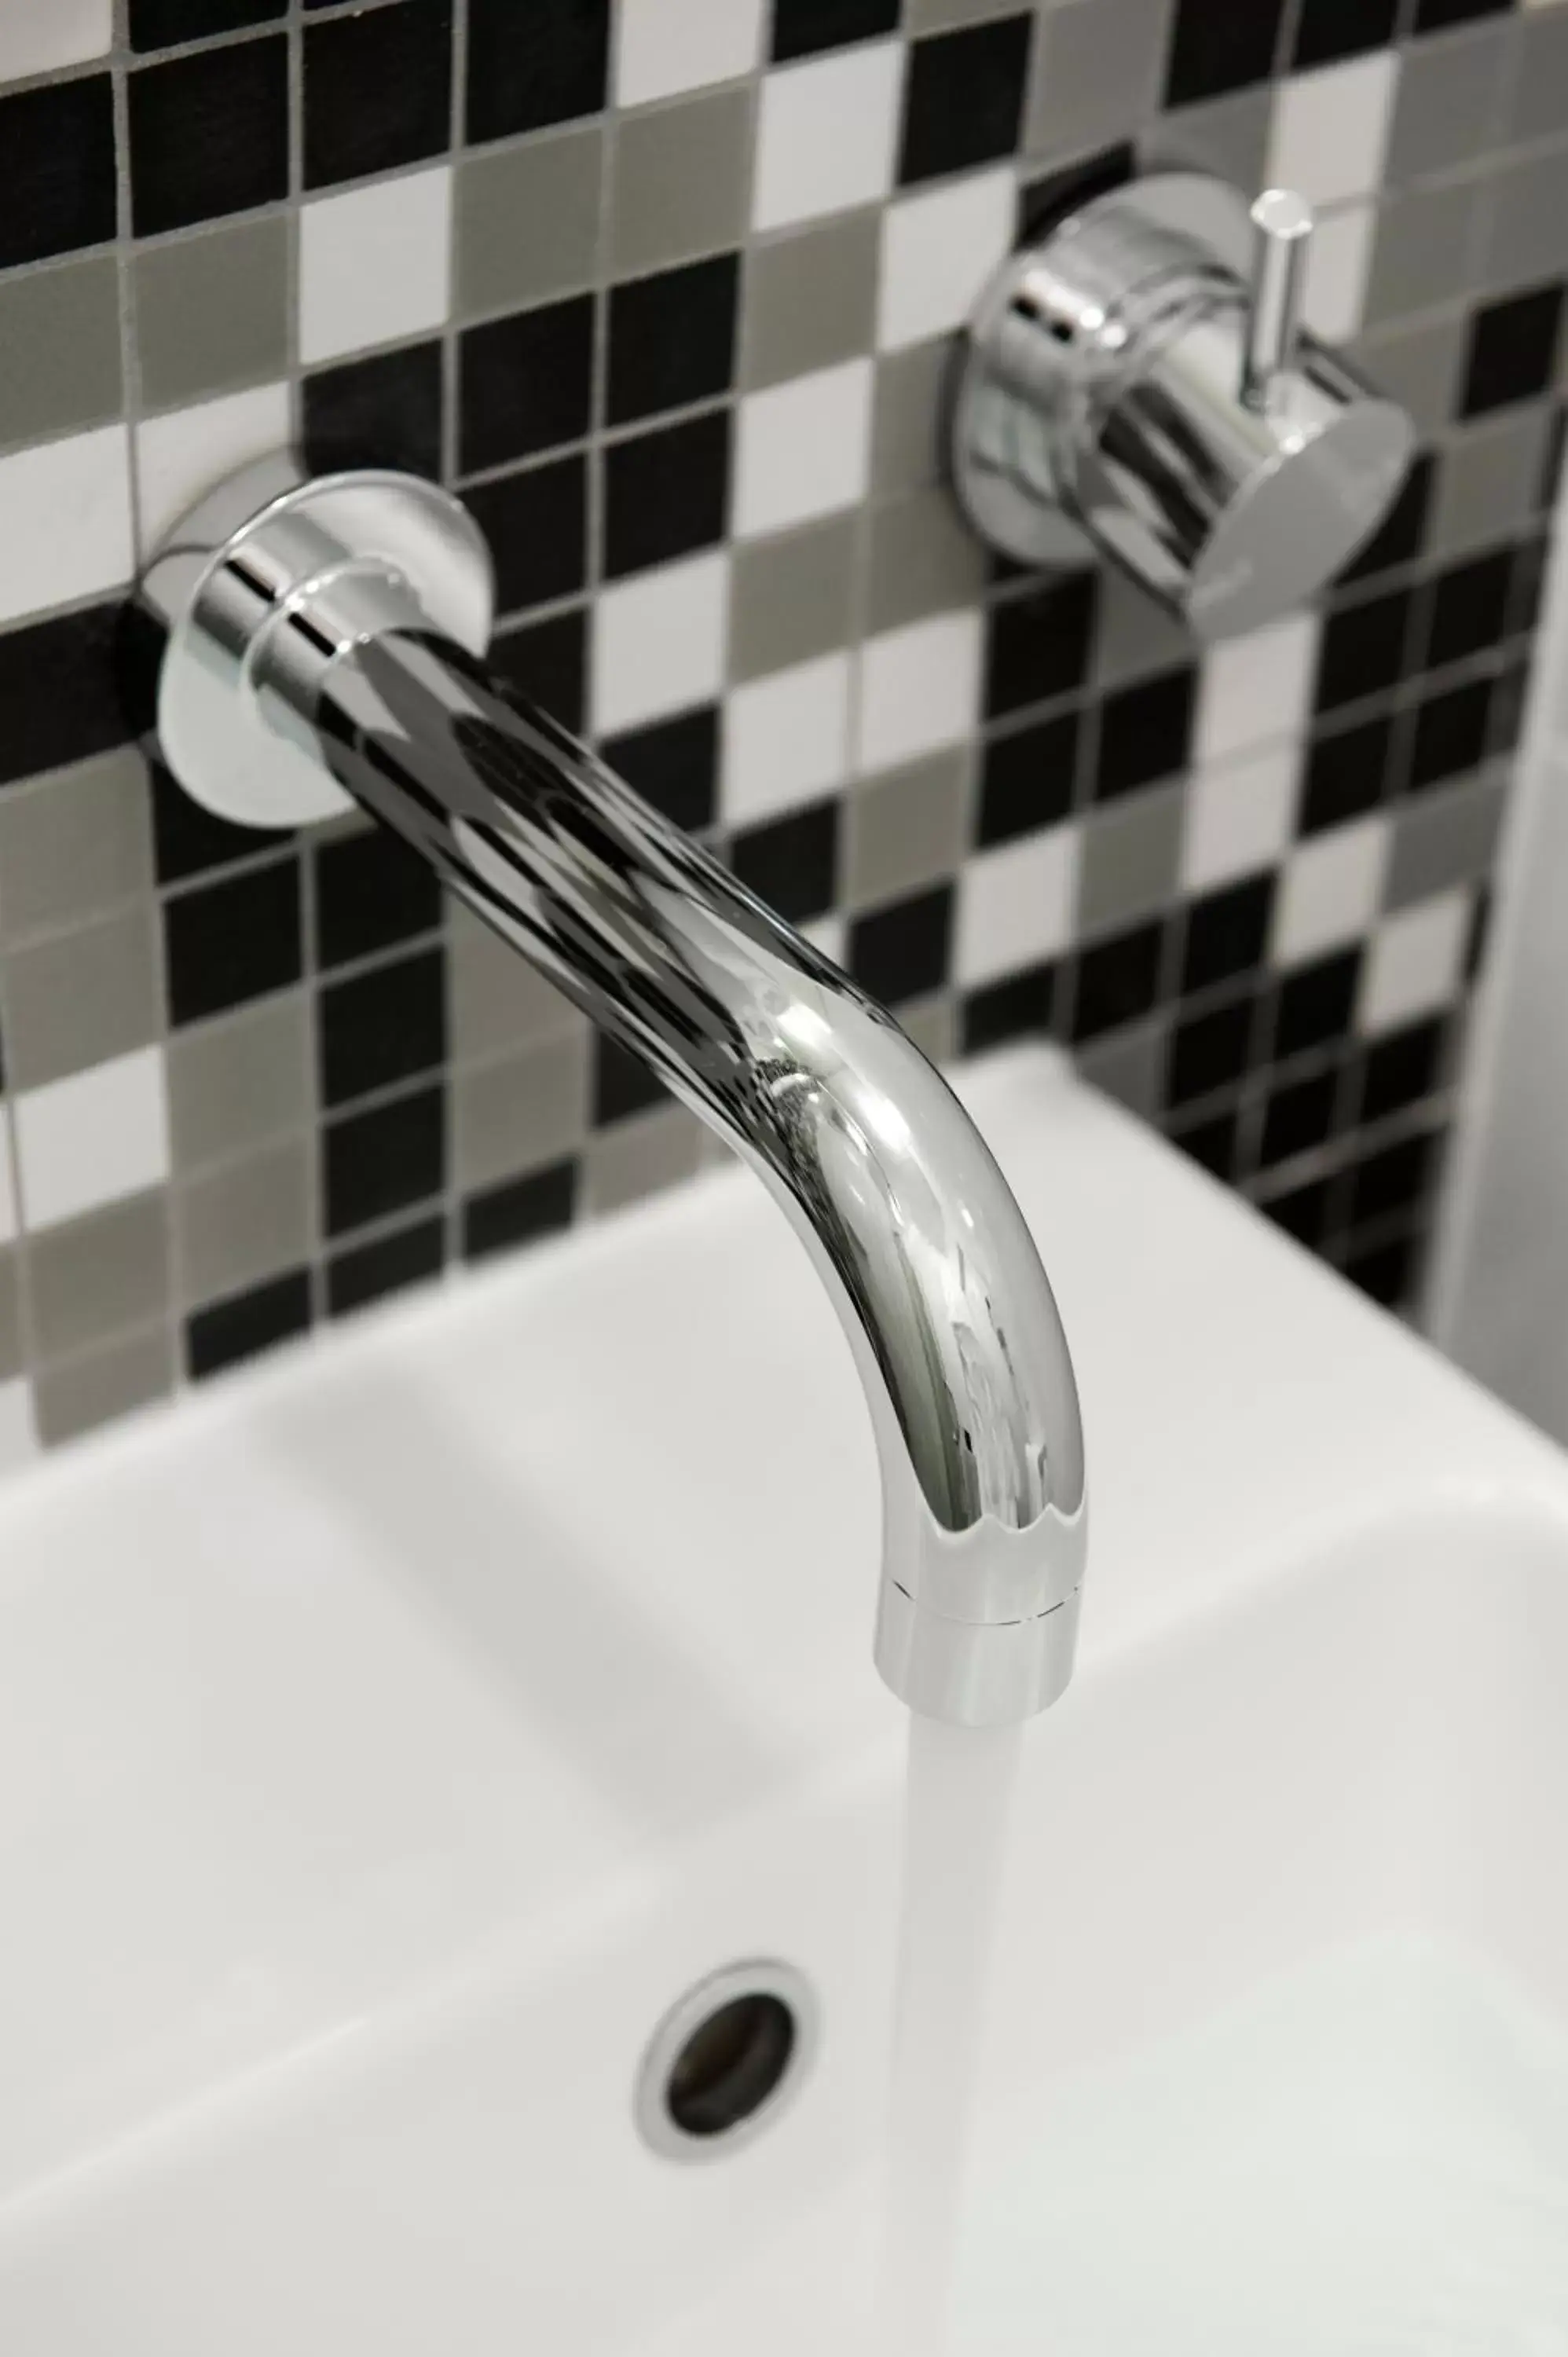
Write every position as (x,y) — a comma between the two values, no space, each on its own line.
(667,287)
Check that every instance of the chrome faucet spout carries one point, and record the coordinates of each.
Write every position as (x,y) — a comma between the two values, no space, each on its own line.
(338,660)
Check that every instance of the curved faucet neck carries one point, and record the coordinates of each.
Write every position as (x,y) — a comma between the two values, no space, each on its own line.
(911,1226)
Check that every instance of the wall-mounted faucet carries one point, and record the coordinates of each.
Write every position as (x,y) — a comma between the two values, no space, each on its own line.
(320,642)
(1137,384)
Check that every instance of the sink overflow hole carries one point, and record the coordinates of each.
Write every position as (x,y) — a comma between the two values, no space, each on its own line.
(723,2060)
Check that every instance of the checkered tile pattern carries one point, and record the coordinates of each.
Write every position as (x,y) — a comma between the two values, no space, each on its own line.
(666,288)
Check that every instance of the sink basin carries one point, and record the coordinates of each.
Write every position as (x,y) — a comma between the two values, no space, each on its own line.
(388,1738)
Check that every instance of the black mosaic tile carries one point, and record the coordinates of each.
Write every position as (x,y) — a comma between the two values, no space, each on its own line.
(225,943)
(1302,1211)
(525,383)
(1213,1142)
(384,1159)
(377,90)
(666,493)
(963,97)
(1145,732)
(674,764)
(1469,607)
(547,662)
(1435,15)
(622,1083)
(61,690)
(1026,778)
(1038,645)
(1386,1273)
(1349,771)
(1117,981)
(1393,1179)
(671,339)
(1316,1005)
(1208,1052)
(901,951)
(166,24)
(792,862)
(802,27)
(1297,1115)
(1401,1069)
(1513,351)
(1362,649)
(1327,30)
(1401,537)
(536,523)
(189,840)
(371,892)
(382,1027)
(1479,933)
(1449,734)
(518,1210)
(56,168)
(209,133)
(369,1273)
(1217,46)
(1228,931)
(547,62)
(383,411)
(241,1328)
(1018,1006)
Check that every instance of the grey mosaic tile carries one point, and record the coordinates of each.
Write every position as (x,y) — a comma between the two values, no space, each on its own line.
(1444,839)
(1419,366)
(682,180)
(520,1113)
(1097,73)
(1130,1067)
(905,418)
(12,1353)
(640,1155)
(240,1079)
(1448,103)
(103,1385)
(244,1220)
(1538,105)
(495,1001)
(922,559)
(1135,637)
(73,843)
(212,311)
(906,829)
(78,998)
(60,349)
(1130,857)
(939,16)
(810,298)
(1228,136)
(98,1275)
(1423,253)
(526,222)
(932,1025)
(1490,481)
(792,596)
(1526,236)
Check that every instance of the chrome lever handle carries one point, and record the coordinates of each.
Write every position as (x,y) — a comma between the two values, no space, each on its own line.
(1282,231)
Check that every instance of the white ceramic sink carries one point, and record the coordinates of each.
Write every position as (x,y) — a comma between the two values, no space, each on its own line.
(343,1882)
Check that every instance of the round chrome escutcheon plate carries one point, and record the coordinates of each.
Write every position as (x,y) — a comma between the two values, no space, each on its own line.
(412,527)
